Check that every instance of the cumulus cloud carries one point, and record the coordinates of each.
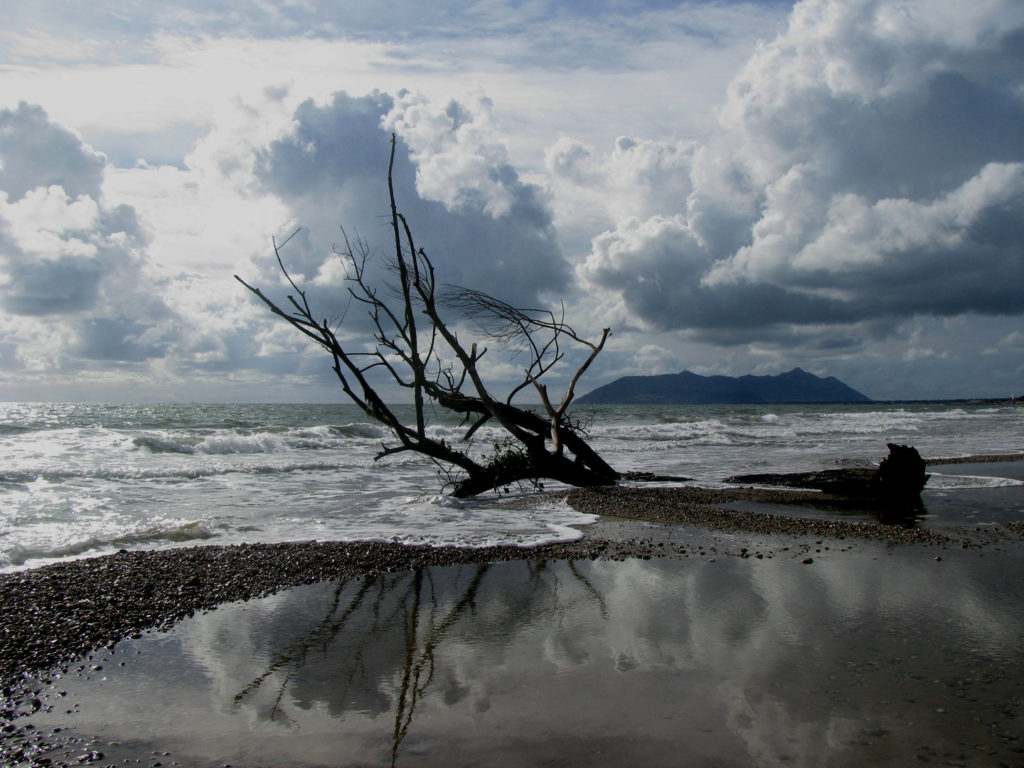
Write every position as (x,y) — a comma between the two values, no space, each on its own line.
(638,178)
(657,266)
(82,291)
(459,160)
(37,153)
(869,168)
(480,223)
(75,283)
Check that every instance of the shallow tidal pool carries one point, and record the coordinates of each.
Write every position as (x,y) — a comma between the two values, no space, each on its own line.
(867,656)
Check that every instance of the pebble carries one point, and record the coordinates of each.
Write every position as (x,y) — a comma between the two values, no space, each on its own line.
(53,617)
(702,507)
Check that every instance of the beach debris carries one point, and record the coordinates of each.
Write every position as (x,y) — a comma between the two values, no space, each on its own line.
(418,344)
(901,475)
(899,478)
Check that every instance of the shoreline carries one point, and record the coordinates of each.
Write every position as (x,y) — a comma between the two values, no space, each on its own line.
(54,616)
(703,508)
(987,458)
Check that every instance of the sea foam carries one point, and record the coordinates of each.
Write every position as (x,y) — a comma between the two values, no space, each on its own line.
(77,480)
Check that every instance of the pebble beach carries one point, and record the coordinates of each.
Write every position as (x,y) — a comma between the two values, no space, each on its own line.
(56,618)
(57,614)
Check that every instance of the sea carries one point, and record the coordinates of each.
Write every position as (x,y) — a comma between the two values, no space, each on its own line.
(79,480)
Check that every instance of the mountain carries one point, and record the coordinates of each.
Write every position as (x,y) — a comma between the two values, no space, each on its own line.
(796,386)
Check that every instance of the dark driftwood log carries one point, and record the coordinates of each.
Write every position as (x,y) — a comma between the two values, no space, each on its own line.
(899,478)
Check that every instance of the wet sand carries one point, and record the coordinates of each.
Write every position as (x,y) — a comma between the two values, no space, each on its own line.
(55,614)
(54,617)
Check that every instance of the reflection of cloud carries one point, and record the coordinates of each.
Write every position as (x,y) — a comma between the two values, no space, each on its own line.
(782,662)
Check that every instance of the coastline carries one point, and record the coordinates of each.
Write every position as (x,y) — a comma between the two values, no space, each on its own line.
(56,615)
(705,508)
(988,458)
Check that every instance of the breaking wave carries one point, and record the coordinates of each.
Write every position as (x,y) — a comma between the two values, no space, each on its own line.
(192,471)
(271,440)
(18,554)
(78,480)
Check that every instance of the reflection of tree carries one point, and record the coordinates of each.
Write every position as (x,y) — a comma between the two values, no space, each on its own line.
(594,592)
(417,658)
(762,662)
(294,657)
(905,515)
(363,616)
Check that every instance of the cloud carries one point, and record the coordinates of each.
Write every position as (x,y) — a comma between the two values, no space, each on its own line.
(76,280)
(657,267)
(861,178)
(458,160)
(68,255)
(1013,342)
(37,153)
(480,223)
(639,178)
(83,293)
(605,34)
(869,168)
(959,253)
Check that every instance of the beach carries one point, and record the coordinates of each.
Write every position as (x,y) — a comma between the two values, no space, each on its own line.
(80,480)
(68,621)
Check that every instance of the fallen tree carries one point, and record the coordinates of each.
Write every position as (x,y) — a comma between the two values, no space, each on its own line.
(420,351)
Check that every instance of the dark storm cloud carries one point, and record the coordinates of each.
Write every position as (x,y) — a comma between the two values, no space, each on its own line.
(870,167)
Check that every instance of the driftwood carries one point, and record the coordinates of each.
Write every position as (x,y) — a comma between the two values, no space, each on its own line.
(892,491)
(419,351)
(900,477)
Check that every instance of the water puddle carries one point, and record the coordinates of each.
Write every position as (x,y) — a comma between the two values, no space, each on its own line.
(870,656)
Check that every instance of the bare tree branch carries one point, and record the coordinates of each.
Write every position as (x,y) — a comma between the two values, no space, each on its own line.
(419,350)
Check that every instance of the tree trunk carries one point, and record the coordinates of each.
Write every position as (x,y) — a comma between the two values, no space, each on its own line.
(531,467)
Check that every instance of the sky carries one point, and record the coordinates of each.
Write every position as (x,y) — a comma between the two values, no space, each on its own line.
(732,187)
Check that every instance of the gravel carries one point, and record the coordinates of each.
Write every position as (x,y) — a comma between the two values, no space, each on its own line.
(702,507)
(53,617)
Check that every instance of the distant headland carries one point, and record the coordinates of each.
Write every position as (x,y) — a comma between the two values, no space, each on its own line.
(686,388)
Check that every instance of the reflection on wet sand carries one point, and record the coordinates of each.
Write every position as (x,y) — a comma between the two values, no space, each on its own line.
(869,656)
(365,620)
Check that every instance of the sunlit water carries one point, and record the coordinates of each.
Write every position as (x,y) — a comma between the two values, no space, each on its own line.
(79,480)
(867,657)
